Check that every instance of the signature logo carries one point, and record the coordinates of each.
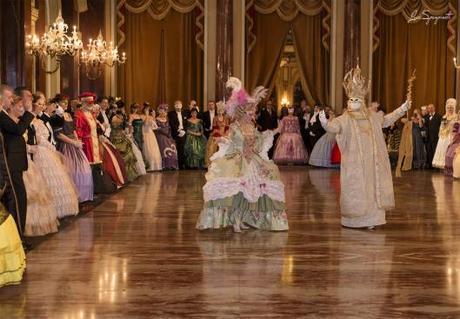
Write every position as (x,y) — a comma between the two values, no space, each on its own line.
(427,17)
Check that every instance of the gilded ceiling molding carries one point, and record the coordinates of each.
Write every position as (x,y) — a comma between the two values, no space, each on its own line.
(288,10)
(158,10)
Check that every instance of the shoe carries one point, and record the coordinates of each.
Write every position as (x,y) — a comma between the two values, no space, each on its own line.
(236,228)
(371,227)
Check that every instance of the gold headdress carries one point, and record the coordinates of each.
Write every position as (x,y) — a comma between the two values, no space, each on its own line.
(355,84)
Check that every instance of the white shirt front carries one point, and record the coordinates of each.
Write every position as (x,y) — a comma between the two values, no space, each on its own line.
(211,117)
(106,124)
(181,123)
(50,129)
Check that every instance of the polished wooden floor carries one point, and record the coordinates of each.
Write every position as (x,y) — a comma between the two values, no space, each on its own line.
(138,255)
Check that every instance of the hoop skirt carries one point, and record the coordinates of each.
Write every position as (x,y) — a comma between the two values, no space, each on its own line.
(453,150)
(168,149)
(112,162)
(195,145)
(322,151)
(42,216)
(290,147)
(12,256)
(57,179)
(140,165)
(77,163)
(124,146)
(151,150)
(445,138)
(243,184)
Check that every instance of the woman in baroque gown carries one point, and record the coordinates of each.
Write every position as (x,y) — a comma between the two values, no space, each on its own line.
(195,142)
(445,133)
(220,128)
(151,150)
(165,141)
(289,146)
(136,123)
(243,186)
(124,146)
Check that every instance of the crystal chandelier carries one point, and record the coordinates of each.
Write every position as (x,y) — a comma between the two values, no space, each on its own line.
(55,43)
(97,55)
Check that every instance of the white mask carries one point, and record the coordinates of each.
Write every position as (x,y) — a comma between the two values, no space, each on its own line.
(354,104)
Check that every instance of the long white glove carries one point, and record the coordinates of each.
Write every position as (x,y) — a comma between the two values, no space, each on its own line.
(322,119)
(406,106)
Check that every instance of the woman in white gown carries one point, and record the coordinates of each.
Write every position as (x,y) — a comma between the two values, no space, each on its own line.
(445,133)
(57,179)
(41,215)
(150,147)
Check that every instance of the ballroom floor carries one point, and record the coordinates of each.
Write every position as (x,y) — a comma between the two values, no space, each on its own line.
(138,255)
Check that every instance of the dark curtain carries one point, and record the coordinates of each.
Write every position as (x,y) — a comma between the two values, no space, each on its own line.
(404,47)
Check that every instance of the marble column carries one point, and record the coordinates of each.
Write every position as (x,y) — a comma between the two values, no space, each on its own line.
(224,45)
(352,36)
(337,54)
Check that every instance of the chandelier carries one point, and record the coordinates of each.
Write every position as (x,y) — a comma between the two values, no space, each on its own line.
(97,55)
(55,43)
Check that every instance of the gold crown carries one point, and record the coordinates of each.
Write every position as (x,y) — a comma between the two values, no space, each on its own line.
(355,84)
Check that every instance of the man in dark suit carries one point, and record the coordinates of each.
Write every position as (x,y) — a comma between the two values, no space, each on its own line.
(178,121)
(267,118)
(432,123)
(15,196)
(208,118)
(304,121)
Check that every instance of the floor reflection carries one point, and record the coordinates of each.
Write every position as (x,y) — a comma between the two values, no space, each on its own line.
(138,255)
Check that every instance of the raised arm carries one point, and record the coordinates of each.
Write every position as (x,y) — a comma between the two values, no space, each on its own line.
(13,128)
(331,126)
(392,117)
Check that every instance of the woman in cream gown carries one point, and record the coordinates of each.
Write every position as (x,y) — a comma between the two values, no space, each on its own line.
(445,133)
(41,213)
(243,186)
(150,148)
(57,179)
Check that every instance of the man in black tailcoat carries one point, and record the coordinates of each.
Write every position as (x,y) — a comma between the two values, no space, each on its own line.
(432,123)
(178,121)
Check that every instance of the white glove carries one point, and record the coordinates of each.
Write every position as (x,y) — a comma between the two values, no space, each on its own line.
(406,106)
(181,133)
(322,118)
